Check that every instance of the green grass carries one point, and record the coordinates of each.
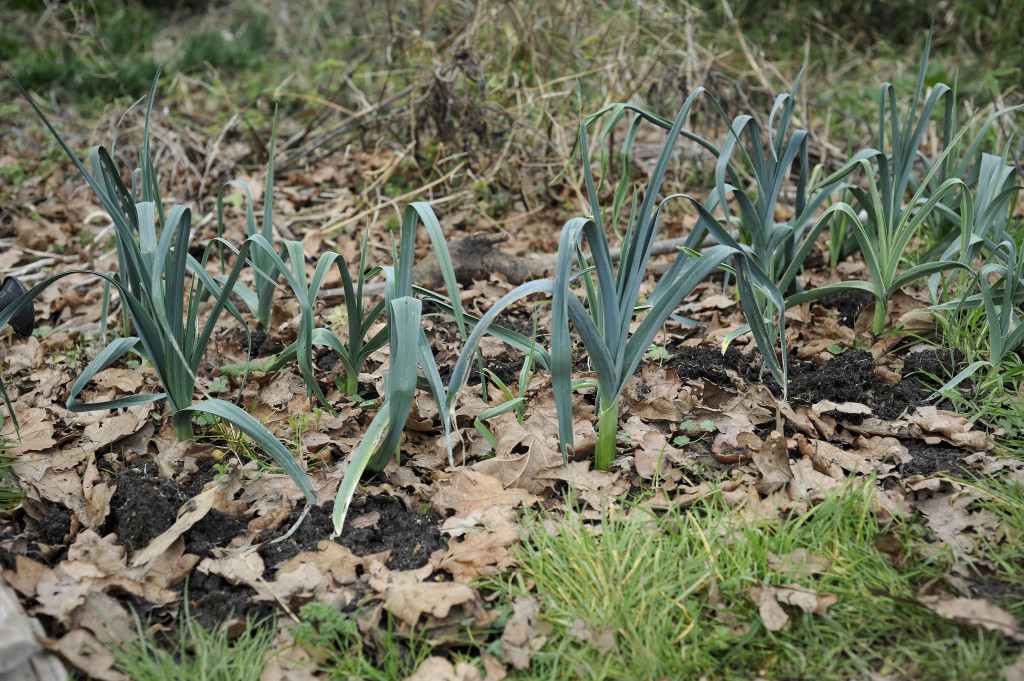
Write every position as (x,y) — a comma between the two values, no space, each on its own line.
(671,592)
(1005,498)
(104,50)
(342,653)
(197,654)
(10,494)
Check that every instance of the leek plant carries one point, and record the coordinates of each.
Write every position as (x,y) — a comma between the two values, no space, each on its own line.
(267,266)
(162,287)
(776,245)
(411,352)
(354,354)
(604,325)
(260,298)
(512,401)
(986,173)
(1001,283)
(891,219)
(994,192)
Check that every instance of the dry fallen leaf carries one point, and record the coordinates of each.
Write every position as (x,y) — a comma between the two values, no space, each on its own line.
(772,460)
(950,427)
(84,652)
(657,394)
(219,493)
(20,650)
(408,601)
(468,491)
(600,489)
(797,564)
(949,517)
(524,452)
(286,661)
(774,617)
(602,639)
(843,408)
(490,518)
(524,632)
(973,611)
(481,553)
(436,668)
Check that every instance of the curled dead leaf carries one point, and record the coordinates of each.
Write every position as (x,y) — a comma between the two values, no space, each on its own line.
(772,460)
(524,632)
(970,611)
(480,553)
(436,668)
(768,599)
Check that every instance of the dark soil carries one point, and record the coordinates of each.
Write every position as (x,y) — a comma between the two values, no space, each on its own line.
(848,305)
(507,371)
(410,536)
(848,377)
(145,505)
(727,371)
(931,459)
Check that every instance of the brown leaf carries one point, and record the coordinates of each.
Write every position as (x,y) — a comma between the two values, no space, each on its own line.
(21,655)
(843,408)
(469,490)
(481,553)
(808,600)
(952,428)
(524,632)
(949,517)
(62,486)
(94,565)
(653,454)
(26,575)
(97,504)
(271,520)
(330,557)
(367,520)
(597,488)
(772,460)
(105,617)
(973,611)
(36,432)
(730,428)
(774,617)
(657,394)
(879,448)
(286,661)
(217,493)
(479,519)
(798,418)
(436,668)
(81,650)
(797,564)
(493,668)
(832,460)
(523,452)
(601,639)
(321,575)
(243,567)
(407,601)
(127,381)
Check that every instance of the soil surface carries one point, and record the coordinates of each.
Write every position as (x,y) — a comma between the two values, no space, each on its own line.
(146,504)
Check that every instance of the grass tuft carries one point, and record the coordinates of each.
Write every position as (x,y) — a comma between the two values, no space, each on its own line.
(648,597)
